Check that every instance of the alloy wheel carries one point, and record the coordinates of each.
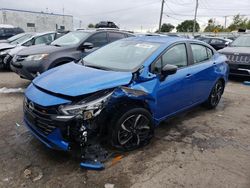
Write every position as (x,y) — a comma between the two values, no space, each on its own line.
(134,131)
(216,93)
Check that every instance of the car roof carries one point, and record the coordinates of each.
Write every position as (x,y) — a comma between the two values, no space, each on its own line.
(44,33)
(95,30)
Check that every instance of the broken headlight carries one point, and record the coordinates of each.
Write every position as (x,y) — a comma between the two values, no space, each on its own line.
(89,107)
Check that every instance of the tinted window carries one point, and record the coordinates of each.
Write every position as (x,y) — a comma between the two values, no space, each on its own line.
(115,36)
(71,38)
(217,41)
(201,53)
(29,43)
(45,39)
(242,41)
(177,55)
(205,40)
(22,39)
(98,39)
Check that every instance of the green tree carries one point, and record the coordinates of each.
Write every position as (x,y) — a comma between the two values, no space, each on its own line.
(187,26)
(239,22)
(167,27)
(211,27)
(91,25)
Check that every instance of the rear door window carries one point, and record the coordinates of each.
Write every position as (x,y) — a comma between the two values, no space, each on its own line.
(113,36)
(98,39)
(201,53)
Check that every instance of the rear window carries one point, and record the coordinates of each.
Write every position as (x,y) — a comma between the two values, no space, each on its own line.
(201,53)
(116,36)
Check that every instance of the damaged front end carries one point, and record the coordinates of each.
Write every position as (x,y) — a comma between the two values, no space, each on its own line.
(82,124)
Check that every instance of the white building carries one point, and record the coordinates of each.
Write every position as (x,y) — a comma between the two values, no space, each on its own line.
(35,21)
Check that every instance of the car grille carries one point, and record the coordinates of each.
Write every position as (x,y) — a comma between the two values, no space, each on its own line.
(240,59)
(39,117)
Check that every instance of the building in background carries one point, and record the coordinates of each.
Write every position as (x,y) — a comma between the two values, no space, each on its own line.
(31,21)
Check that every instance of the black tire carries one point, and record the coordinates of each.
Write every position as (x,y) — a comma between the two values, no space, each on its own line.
(131,128)
(215,95)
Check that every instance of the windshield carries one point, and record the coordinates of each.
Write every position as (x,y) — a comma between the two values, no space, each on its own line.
(241,41)
(71,38)
(16,37)
(21,39)
(122,55)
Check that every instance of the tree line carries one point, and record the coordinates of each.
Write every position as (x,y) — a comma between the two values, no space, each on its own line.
(239,22)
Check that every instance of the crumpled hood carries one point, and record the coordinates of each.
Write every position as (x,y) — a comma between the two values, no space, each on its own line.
(74,80)
(232,50)
(5,46)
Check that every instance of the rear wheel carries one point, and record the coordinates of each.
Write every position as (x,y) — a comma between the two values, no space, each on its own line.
(215,95)
(131,128)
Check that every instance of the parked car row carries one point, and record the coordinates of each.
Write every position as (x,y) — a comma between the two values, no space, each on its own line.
(216,42)
(18,42)
(30,62)
(7,31)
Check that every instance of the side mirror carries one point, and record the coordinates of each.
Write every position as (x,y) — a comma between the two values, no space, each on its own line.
(87,45)
(168,70)
(227,44)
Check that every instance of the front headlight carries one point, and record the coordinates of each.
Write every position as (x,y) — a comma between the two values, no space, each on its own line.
(36,57)
(87,108)
(4,52)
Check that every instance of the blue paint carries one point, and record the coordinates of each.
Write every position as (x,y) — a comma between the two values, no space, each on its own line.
(73,80)
(90,165)
(53,140)
(164,98)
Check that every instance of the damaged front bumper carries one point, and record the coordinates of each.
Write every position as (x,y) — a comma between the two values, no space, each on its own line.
(64,133)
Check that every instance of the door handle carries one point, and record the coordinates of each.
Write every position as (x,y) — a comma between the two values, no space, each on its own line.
(188,75)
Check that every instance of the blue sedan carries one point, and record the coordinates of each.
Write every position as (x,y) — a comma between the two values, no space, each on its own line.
(122,91)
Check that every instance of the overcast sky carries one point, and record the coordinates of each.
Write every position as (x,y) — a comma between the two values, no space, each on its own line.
(136,14)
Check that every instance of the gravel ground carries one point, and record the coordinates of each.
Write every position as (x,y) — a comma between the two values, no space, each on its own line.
(199,148)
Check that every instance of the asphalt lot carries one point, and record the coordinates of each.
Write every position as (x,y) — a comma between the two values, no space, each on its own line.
(198,148)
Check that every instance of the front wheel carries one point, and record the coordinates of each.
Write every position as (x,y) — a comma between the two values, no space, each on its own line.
(131,128)
(215,95)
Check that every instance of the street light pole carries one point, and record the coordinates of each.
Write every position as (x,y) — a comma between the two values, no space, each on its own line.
(162,6)
(195,15)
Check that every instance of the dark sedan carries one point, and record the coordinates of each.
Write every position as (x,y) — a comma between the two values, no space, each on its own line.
(30,62)
(238,55)
(216,42)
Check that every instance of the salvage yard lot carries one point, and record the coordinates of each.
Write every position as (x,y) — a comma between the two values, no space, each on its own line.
(198,148)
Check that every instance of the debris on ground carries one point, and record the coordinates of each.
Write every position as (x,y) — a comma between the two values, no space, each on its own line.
(11,90)
(27,173)
(109,185)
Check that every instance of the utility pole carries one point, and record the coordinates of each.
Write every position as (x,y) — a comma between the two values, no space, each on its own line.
(225,26)
(195,15)
(162,6)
